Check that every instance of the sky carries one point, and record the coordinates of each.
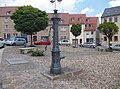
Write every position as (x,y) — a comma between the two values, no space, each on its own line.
(88,7)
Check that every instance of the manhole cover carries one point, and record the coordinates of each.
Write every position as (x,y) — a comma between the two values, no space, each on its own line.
(16,61)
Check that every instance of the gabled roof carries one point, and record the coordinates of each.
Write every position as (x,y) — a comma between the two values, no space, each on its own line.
(93,21)
(7,9)
(64,18)
(76,16)
(111,11)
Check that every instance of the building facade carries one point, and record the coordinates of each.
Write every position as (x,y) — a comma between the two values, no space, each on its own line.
(89,26)
(7,29)
(111,15)
(63,27)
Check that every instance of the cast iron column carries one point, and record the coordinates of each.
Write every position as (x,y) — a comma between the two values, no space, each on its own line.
(55,66)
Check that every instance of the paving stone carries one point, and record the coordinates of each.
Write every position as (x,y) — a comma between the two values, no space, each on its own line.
(96,70)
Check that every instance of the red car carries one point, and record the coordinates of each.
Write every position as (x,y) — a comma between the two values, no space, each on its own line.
(42,42)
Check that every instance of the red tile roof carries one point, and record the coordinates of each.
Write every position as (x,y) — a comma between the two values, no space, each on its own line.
(76,16)
(7,9)
(93,21)
(64,18)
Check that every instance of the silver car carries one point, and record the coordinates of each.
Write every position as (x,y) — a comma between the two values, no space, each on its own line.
(88,44)
(1,44)
(64,42)
(16,41)
(116,47)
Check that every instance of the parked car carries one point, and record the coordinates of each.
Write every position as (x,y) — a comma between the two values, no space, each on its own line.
(25,37)
(116,47)
(15,41)
(2,45)
(88,44)
(43,42)
(64,42)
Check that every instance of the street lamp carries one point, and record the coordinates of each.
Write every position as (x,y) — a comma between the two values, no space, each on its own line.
(55,66)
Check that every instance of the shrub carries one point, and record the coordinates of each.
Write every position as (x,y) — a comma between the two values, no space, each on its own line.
(37,52)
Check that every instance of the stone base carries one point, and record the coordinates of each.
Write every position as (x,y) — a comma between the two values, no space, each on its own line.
(66,73)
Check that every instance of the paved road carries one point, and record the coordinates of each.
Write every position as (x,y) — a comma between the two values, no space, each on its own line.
(1,52)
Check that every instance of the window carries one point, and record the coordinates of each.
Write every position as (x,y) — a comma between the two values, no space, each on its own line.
(105,20)
(91,32)
(110,19)
(6,35)
(87,33)
(105,38)
(63,37)
(73,19)
(115,38)
(15,34)
(8,12)
(90,25)
(6,19)
(80,41)
(61,21)
(80,19)
(6,26)
(86,25)
(115,19)
(87,19)
(63,28)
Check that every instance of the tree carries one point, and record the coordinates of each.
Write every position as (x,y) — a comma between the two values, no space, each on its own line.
(109,29)
(29,20)
(76,30)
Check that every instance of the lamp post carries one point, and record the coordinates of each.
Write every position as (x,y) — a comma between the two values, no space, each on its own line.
(55,66)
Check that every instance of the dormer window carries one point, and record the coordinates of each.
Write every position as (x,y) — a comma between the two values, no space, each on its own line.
(80,19)
(61,21)
(87,19)
(73,19)
(8,12)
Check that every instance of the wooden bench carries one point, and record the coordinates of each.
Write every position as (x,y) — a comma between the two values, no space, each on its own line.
(26,50)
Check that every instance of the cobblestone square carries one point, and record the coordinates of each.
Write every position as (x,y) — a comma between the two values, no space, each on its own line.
(94,69)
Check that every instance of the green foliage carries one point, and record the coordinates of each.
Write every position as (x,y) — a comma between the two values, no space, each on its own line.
(109,29)
(37,53)
(76,29)
(29,20)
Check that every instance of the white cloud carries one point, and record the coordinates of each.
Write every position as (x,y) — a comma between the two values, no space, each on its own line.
(87,10)
(65,5)
(99,16)
(113,3)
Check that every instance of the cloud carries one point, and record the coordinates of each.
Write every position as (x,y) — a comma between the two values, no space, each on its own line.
(99,16)
(64,6)
(113,3)
(87,10)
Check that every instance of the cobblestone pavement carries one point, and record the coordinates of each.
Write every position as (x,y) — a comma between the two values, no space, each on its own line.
(96,70)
